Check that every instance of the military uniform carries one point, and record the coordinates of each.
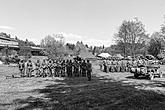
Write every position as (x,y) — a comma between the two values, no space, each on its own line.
(57,69)
(63,65)
(76,67)
(50,68)
(54,67)
(89,70)
(22,68)
(101,65)
(44,67)
(105,66)
(38,65)
(112,66)
(117,66)
(83,66)
(29,68)
(67,68)
(70,68)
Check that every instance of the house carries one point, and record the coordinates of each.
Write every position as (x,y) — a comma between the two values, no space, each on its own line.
(6,42)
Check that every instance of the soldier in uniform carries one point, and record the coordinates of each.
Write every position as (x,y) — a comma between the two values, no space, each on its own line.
(128,67)
(105,66)
(67,68)
(50,67)
(125,65)
(29,68)
(101,65)
(38,65)
(70,68)
(89,70)
(44,68)
(58,69)
(80,67)
(107,63)
(83,66)
(113,66)
(119,63)
(117,66)
(54,67)
(110,65)
(76,67)
(22,68)
(122,66)
(63,65)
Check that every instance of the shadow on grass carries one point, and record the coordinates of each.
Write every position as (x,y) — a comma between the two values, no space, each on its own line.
(154,83)
(98,94)
(139,78)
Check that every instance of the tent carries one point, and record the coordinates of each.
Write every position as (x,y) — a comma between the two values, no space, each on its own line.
(86,55)
(104,55)
(118,56)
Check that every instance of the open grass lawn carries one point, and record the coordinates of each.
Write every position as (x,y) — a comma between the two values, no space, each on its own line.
(104,92)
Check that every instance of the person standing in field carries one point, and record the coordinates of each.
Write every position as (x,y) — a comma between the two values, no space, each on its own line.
(70,68)
(75,68)
(29,68)
(38,65)
(50,64)
(43,66)
(21,66)
(84,67)
(67,68)
(89,70)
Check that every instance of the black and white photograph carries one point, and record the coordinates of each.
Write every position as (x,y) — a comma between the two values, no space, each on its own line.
(82,54)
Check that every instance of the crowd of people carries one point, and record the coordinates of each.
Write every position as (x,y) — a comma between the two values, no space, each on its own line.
(56,68)
(119,65)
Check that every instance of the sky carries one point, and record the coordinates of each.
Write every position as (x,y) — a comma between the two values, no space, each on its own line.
(92,21)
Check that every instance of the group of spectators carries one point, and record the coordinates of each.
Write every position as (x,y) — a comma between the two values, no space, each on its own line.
(56,68)
(119,65)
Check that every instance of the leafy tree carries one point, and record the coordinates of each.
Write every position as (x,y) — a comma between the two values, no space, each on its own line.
(54,48)
(130,33)
(162,30)
(155,47)
(156,44)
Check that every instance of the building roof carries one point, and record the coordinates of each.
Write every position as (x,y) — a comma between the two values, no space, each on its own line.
(37,48)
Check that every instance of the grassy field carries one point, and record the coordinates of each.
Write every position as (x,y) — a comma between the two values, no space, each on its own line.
(106,91)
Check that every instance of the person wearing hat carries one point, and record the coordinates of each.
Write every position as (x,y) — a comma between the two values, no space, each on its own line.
(21,66)
(29,68)
(38,65)
(89,70)
(44,67)
(84,67)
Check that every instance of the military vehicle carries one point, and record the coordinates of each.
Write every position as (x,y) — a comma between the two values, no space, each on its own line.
(149,72)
